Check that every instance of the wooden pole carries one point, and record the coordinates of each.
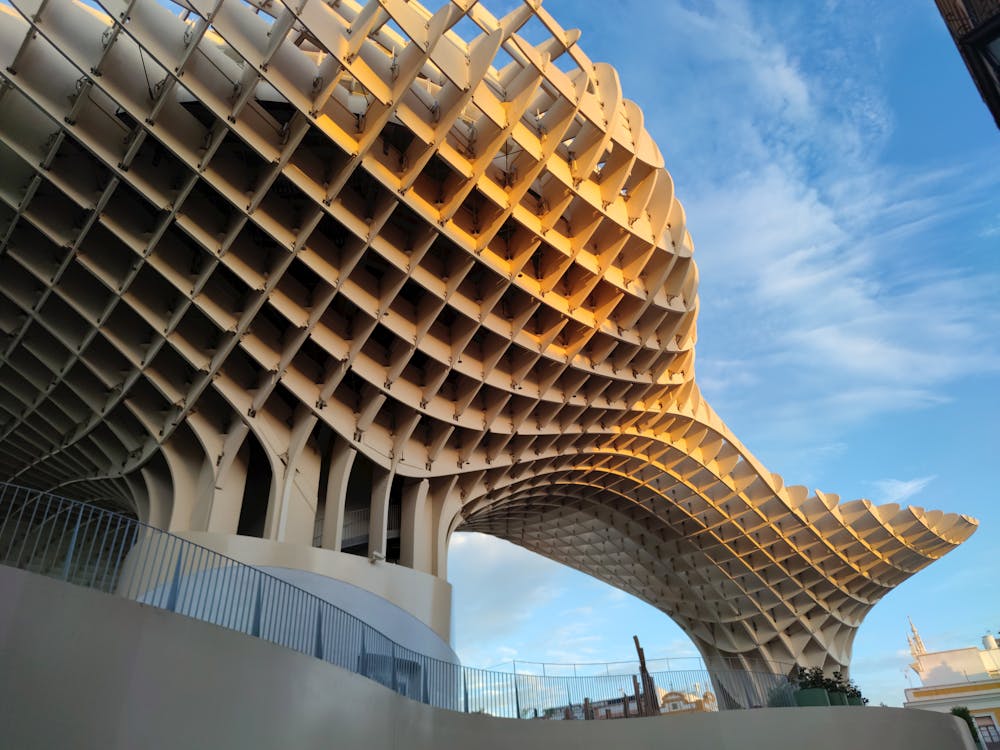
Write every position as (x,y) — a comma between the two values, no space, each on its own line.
(638,696)
(651,700)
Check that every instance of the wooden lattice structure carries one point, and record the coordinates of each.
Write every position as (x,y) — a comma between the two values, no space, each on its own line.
(256,259)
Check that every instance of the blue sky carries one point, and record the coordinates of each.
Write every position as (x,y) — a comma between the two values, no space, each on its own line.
(839,173)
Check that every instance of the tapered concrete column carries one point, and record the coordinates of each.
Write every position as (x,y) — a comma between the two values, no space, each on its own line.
(193,480)
(301,483)
(299,480)
(341,460)
(224,515)
(378,524)
(416,525)
(445,506)
(159,494)
(272,519)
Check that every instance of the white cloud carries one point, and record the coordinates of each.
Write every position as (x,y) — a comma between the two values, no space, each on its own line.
(899,491)
(830,292)
(499,587)
(836,286)
(510,604)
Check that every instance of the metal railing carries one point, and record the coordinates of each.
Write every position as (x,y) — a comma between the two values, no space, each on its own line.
(632,666)
(83,544)
(356,525)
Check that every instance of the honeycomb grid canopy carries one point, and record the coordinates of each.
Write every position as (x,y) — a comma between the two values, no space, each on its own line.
(259,260)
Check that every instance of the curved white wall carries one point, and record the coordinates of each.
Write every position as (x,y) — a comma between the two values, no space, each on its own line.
(393,621)
(85,670)
(411,607)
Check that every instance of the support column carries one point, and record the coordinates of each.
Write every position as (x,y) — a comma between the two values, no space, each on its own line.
(415,531)
(445,506)
(301,486)
(160,493)
(378,523)
(299,481)
(192,476)
(224,514)
(342,456)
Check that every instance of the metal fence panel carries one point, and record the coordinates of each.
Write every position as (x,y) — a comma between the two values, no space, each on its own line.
(85,545)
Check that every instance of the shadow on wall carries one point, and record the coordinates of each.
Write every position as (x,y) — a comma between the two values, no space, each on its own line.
(958,666)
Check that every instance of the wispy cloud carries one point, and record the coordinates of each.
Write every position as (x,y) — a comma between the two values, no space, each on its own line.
(898,490)
(841,281)
(830,291)
(516,586)
(511,604)
(991,229)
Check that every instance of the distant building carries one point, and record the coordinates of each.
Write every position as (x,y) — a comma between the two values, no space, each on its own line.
(670,701)
(975,27)
(677,702)
(967,677)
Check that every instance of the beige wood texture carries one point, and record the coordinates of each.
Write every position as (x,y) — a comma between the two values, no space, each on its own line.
(242,246)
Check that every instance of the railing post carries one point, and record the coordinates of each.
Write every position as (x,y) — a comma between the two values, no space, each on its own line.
(258,605)
(517,699)
(318,648)
(395,687)
(72,547)
(175,584)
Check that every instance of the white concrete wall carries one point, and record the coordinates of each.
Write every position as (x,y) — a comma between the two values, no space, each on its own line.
(425,597)
(375,636)
(212,589)
(392,621)
(83,670)
(951,667)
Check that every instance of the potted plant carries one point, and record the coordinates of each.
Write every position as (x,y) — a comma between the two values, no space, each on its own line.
(836,687)
(854,696)
(811,684)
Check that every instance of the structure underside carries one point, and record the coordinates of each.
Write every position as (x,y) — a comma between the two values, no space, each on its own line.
(293,269)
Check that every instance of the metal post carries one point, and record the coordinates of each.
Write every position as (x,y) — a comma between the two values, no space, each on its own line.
(318,647)
(175,584)
(72,547)
(258,605)
(517,699)
(395,688)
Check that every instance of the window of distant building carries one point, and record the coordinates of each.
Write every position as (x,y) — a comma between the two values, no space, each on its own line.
(988,730)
